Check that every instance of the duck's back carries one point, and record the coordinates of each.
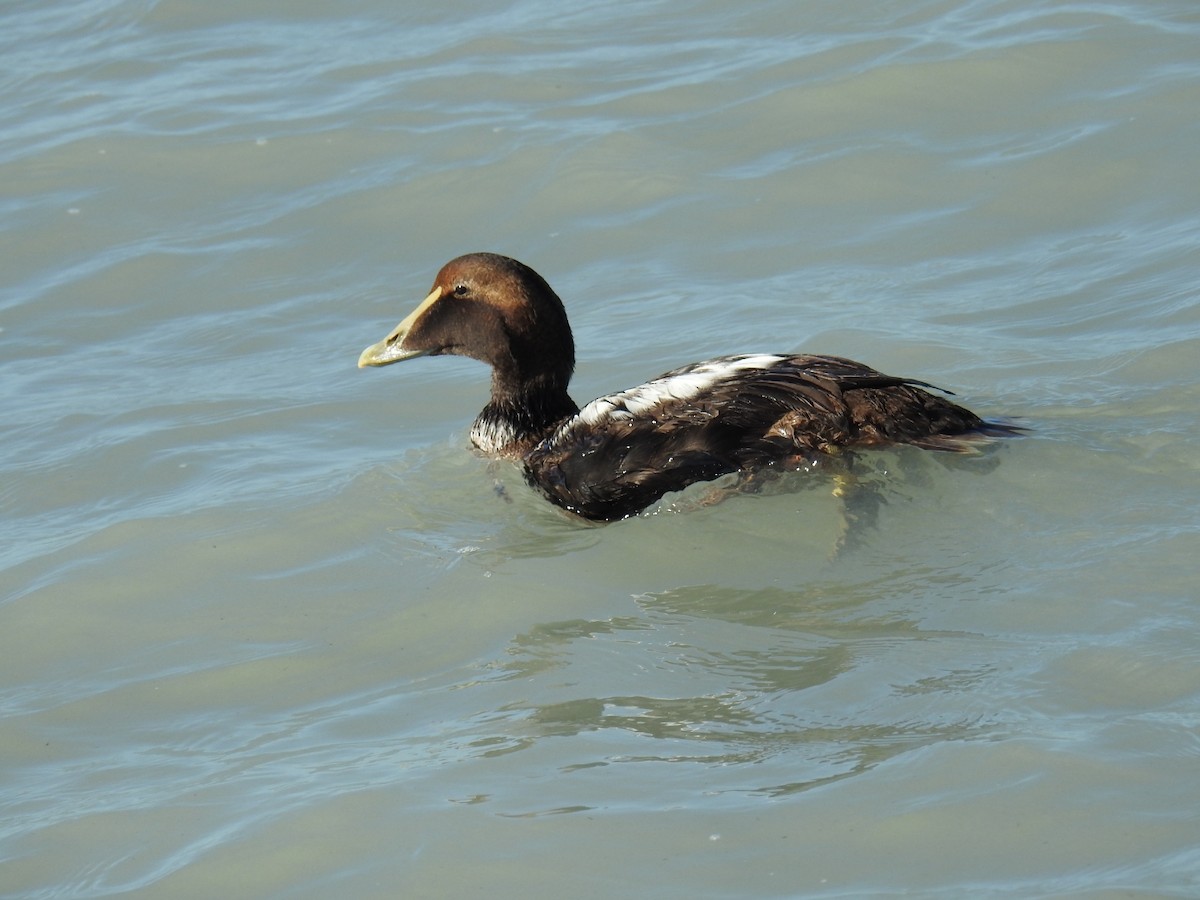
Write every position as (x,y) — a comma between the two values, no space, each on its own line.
(696,423)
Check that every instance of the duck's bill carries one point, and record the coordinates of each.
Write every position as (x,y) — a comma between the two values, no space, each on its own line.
(386,352)
(391,349)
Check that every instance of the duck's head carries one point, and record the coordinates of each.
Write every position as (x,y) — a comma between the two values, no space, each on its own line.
(490,308)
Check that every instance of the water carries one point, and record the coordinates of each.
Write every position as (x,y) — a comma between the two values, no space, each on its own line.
(269,629)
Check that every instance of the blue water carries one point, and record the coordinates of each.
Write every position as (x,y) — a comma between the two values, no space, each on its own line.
(267,627)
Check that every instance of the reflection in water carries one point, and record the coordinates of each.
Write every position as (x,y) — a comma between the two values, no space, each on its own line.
(800,687)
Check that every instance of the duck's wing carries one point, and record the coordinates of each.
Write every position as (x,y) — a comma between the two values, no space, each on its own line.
(624,451)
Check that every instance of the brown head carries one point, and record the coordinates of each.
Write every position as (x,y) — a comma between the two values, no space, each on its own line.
(493,309)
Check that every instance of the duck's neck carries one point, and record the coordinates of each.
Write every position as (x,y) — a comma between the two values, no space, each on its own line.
(519,417)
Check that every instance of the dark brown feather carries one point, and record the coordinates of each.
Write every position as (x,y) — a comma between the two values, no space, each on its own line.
(621,453)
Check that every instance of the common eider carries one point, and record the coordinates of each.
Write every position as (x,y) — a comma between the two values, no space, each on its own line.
(620,453)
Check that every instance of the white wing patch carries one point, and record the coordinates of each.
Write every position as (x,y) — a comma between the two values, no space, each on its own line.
(680,384)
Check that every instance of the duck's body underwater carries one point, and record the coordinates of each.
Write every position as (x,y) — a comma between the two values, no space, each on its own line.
(620,453)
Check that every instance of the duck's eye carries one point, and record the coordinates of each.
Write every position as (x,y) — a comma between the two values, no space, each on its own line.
(461,290)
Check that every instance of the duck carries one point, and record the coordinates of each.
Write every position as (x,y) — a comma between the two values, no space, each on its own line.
(619,454)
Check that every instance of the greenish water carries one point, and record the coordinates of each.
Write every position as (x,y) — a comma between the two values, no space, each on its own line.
(267,628)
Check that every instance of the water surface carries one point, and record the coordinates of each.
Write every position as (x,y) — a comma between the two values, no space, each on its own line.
(268,628)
